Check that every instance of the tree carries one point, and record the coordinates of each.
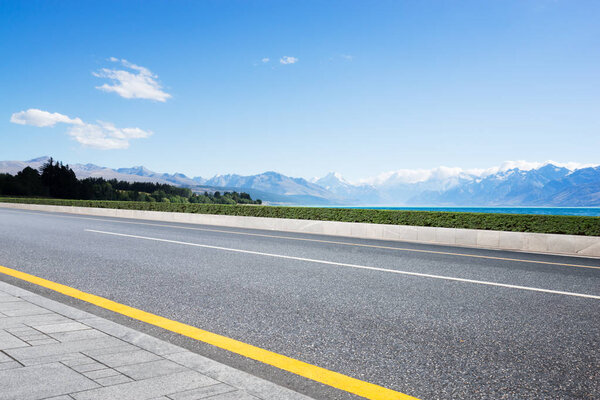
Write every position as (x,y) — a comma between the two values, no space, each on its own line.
(29,183)
(60,180)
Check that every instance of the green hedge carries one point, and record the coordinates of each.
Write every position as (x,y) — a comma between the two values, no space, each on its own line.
(572,225)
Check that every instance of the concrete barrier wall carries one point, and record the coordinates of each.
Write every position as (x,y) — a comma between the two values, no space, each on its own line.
(519,241)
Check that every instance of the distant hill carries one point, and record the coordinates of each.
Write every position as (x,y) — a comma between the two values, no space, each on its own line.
(12,167)
(546,185)
(273,182)
(271,187)
(349,192)
(81,170)
(176,179)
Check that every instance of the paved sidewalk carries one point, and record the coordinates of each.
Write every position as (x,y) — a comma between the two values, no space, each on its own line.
(52,351)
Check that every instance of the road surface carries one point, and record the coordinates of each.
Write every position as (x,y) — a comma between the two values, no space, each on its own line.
(430,321)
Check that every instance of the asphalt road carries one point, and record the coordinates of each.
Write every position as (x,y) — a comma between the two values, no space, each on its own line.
(429,337)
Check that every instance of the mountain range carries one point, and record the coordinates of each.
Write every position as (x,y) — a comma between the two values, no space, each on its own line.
(524,184)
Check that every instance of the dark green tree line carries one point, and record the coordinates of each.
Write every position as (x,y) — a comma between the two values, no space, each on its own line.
(59,181)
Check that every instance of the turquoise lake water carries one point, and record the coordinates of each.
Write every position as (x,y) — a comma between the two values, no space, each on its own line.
(587,211)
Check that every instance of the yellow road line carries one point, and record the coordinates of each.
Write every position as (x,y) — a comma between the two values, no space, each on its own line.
(332,241)
(318,374)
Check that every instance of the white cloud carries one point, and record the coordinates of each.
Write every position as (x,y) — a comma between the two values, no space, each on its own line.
(265,60)
(102,135)
(137,83)
(347,57)
(105,136)
(288,60)
(40,118)
(413,175)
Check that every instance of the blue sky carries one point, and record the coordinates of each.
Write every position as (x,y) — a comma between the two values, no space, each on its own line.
(369,86)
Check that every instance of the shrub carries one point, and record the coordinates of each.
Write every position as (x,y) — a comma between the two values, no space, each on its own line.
(562,224)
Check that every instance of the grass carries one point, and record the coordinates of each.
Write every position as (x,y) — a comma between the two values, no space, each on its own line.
(561,224)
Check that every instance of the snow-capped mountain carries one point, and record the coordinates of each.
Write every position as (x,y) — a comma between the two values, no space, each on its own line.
(274,182)
(360,193)
(271,187)
(81,170)
(174,179)
(511,184)
(549,185)
(13,167)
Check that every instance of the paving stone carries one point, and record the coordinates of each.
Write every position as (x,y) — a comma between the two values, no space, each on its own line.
(194,361)
(151,369)
(77,335)
(24,329)
(78,360)
(9,365)
(101,373)
(148,388)
(139,339)
(4,357)
(31,336)
(50,380)
(107,326)
(8,299)
(51,359)
(202,393)
(57,307)
(127,358)
(20,308)
(110,350)
(13,290)
(153,345)
(113,380)
(24,312)
(16,305)
(39,342)
(93,366)
(237,395)
(61,348)
(66,327)
(234,377)
(13,322)
(8,341)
